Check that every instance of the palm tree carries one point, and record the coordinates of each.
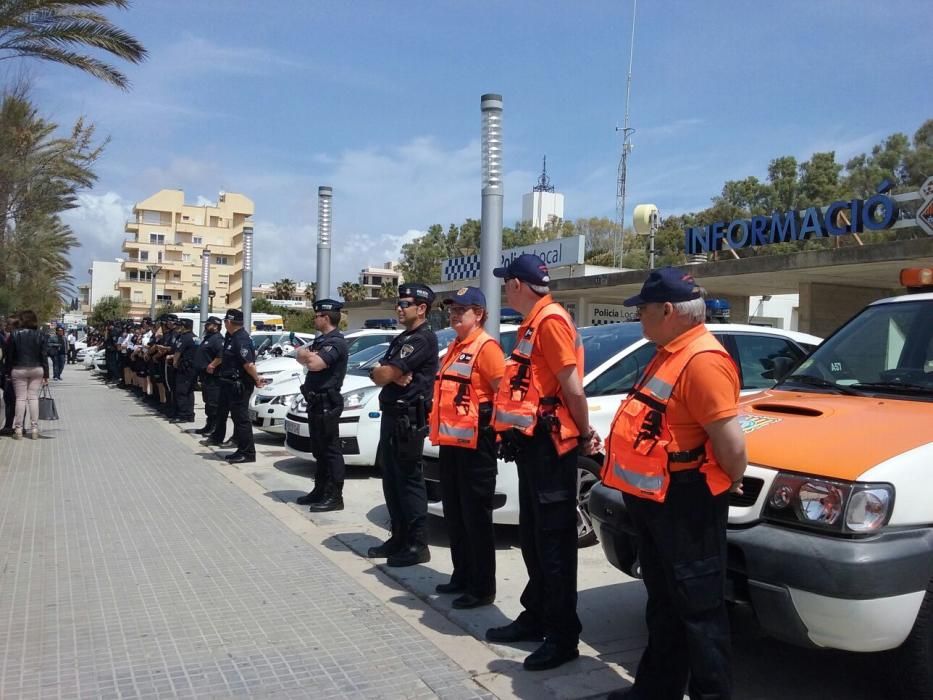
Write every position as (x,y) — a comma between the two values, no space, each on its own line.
(345,290)
(56,30)
(310,292)
(283,289)
(388,290)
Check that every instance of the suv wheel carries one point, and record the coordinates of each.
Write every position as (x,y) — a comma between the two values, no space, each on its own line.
(915,674)
(587,477)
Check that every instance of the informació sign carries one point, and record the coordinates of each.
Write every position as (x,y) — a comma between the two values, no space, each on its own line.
(876,213)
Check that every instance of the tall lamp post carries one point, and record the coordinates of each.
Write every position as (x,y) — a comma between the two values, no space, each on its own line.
(247,291)
(490,245)
(324,197)
(205,288)
(153,272)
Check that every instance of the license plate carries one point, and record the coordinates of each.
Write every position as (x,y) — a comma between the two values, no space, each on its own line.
(292,428)
(253,415)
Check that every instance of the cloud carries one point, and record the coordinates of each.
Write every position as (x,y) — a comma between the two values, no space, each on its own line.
(98,223)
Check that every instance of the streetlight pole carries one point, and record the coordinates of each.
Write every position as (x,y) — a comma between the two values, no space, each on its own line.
(205,287)
(153,272)
(324,197)
(247,291)
(490,245)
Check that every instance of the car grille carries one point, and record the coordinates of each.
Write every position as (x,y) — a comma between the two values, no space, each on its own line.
(751,487)
(264,399)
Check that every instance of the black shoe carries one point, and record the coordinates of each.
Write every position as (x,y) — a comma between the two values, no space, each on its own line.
(206,430)
(238,458)
(410,555)
(316,494)
(332,500)
(468,600)
(514,632)
(452,587)
(228,444)
(209,442)
(550,655)
(386,549)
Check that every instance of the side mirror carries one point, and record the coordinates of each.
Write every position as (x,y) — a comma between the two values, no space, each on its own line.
(778,367)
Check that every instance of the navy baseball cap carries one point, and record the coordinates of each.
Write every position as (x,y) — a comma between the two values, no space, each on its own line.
(667,284)
(467,296)
(526,267)
(214,320)
(327,305)
(171,318)
(420,292)
(187,322)
(234,315)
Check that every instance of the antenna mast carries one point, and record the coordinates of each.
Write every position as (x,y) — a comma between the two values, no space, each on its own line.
(627,132)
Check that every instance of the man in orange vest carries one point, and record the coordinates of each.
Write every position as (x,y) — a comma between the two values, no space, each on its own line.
(461,425)
(676,451)
(542,415)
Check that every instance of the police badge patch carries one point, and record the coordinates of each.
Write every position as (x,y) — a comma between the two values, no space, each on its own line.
(465,357)
(406,350)
(244,353)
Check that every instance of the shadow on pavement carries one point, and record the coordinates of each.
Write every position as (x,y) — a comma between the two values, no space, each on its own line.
(287,496)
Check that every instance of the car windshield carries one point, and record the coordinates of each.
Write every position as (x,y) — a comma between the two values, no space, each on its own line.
(886,349)
(602,342)
(367,357)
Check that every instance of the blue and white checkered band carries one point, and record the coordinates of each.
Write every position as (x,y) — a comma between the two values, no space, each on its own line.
(463,268)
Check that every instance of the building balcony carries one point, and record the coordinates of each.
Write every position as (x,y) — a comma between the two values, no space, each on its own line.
(174,247)
(175,286)
(132,225)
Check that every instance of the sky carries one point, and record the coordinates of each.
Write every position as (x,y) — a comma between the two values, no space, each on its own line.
(380,100)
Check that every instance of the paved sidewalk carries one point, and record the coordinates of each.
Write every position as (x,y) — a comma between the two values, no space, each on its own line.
(130,567)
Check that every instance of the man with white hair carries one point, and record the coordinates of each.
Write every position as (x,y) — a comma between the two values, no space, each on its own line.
(676,451)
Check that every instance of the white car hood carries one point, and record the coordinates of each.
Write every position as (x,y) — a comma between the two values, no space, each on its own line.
(281,386)
(285,365)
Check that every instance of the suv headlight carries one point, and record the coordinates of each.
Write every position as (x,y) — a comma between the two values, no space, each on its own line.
(284,400)
(298,404)
(359,397)
(839,506)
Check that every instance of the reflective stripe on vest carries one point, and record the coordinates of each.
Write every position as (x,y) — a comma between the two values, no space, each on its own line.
(520,399)
(640,440)
(458,393)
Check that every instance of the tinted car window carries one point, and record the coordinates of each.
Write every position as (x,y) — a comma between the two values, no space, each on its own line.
(362,342)
(621,377)
(756,358)
(602,342)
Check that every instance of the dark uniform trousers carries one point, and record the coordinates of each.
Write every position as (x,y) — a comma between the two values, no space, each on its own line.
(682,549)
(235,403)
(210,394)
(324,433)
(468,484)
(547,527)
(170,375)
(403,481)
(184,393)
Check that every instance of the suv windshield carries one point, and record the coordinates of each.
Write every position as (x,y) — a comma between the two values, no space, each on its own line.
(602,342)
(886,349)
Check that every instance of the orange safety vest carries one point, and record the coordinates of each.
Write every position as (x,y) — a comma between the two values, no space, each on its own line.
(458,393)
(520,402)
(641,449)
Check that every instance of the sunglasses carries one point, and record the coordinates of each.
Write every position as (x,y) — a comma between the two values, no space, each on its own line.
(405,303)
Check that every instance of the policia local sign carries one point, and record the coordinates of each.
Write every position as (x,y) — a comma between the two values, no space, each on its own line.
(554,253)
(876,213)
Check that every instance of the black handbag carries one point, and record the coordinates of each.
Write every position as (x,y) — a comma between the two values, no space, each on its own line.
(47,408)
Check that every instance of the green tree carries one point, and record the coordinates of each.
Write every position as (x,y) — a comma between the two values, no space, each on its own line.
(388,290)
(108,309)
(310,293)
(284,288)
(261,305)
(59,31)
(345,290)
(918,163)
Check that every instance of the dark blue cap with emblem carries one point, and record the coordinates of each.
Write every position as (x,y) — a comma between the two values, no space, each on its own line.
(467,296)
(213,319)
(526,267)
(171,318)
(187,323)
(234,315)
(666,284)
(420,292)
(327,305)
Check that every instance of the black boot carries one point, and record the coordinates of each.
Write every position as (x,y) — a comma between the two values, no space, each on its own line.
(207,429)
(414,552)
(316,494)
(392,545)
(333,499)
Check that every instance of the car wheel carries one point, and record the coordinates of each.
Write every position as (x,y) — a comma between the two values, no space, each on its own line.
(915,670)
(587,477)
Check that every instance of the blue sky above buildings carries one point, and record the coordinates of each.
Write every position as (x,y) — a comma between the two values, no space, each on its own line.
(381,101)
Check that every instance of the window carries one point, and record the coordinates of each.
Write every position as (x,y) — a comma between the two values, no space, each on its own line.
(186,257)
(756,358)
(620,378)
(137,295)
(163,298)
(151,217)
(157,238)
(221,260)
(159,256)
(144,256)
(197,240)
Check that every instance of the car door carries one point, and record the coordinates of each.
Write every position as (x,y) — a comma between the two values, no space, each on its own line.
(754,354)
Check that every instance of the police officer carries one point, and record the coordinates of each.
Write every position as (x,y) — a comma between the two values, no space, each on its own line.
(212,346)
(185,374)
(326,360)
(542,413)
(236,370)
(406,374)
(166,349)
(461,425)
(675,451)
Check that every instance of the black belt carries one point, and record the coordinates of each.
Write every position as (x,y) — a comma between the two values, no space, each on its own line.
(686,456)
